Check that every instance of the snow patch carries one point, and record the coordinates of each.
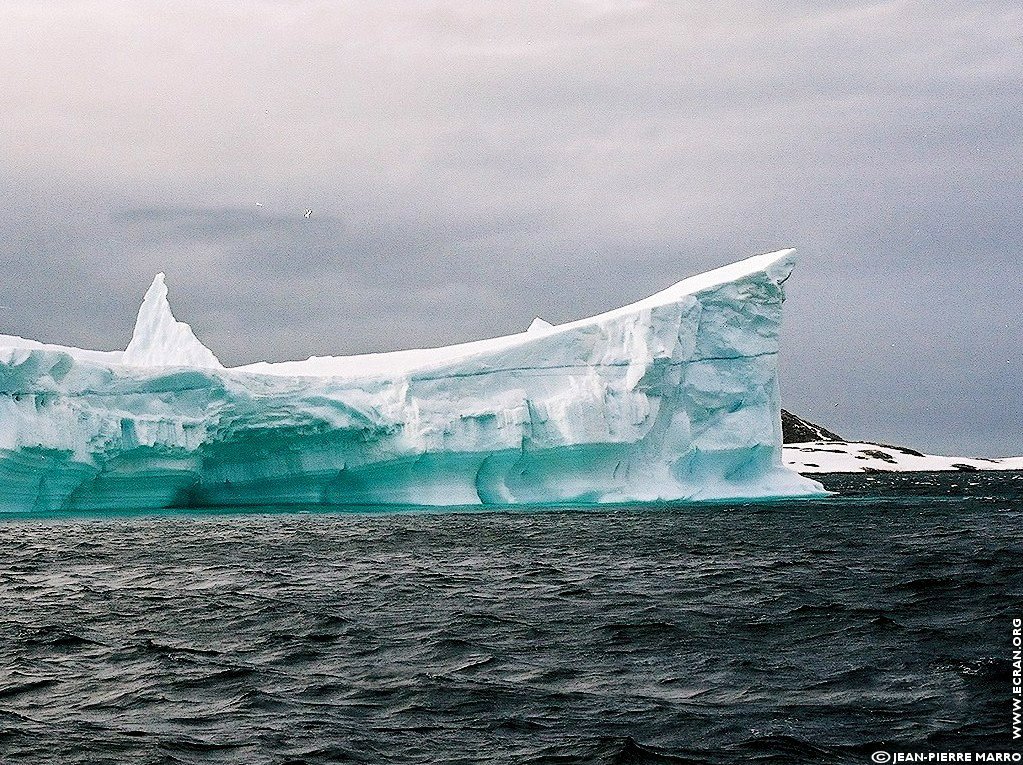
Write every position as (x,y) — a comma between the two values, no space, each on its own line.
(814,457)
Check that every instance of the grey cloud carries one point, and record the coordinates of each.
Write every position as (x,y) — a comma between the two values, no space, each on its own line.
(473,165)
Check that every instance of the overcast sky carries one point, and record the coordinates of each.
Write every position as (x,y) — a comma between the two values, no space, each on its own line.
(474,164)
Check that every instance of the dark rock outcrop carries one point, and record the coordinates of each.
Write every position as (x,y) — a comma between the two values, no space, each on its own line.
(795,430)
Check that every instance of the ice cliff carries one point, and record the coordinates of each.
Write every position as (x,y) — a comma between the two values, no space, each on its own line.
(671,398)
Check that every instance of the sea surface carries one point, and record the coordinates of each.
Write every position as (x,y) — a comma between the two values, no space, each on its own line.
(792,632)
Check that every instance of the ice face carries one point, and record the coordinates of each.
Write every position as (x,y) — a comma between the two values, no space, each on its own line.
(672,398)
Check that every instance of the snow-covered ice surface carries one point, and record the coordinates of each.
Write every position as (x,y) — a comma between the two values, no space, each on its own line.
(860,457)
(671,398)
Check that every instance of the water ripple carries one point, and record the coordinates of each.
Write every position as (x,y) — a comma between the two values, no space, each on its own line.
(810,632)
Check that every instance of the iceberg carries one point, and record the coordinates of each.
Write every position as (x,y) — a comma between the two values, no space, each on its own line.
(672,398)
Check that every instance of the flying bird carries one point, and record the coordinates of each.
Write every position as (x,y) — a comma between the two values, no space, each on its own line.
(259,204)
(309,213)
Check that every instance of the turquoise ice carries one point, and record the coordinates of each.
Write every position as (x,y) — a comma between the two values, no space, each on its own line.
(671,398)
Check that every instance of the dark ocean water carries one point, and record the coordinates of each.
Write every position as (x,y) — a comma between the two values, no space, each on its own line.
(797,632)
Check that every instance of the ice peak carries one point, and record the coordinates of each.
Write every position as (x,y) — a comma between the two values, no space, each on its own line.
(539,325)
(160,340)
